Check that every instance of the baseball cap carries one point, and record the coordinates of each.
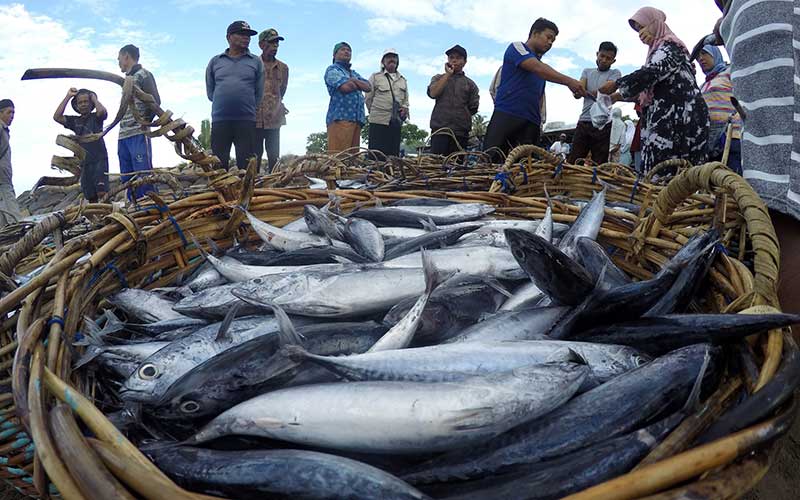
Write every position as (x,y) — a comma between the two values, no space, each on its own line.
(241,27)
(457,49)
(269,35)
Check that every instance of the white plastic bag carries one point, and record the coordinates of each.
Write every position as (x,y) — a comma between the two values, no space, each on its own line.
(601,111)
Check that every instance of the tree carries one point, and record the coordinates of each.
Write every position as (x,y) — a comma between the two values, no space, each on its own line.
(479,125)
(205,134)
(317,143)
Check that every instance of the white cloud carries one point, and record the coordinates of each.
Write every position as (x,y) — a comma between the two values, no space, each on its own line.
(383,27)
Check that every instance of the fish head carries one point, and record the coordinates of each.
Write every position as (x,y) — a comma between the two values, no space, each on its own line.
(520,243)
(143,382)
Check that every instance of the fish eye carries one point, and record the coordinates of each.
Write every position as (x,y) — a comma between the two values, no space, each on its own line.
(518,253)
(190,406)
(148,371)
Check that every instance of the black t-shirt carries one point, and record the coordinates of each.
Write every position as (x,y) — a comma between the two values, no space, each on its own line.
(89,124)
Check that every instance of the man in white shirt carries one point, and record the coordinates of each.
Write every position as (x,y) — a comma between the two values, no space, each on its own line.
(560,147)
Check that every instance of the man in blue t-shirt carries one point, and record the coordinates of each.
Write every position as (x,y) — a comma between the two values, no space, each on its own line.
(516,119)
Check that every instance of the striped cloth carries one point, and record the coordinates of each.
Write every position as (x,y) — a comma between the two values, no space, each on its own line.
(717,94)
(763,40)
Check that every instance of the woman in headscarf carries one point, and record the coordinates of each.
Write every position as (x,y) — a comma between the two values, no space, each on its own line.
(387,103)
(675,117)
(617,136)
(717,91)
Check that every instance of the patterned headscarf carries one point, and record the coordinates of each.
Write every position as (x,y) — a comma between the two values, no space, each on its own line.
(656,23)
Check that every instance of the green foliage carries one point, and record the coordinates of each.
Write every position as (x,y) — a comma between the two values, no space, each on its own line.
(205,134)
(317,143)
(479,125)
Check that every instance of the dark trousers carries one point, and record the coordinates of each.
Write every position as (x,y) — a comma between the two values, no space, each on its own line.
(94,178)
(507,131)
(443,144)
(589,139)
(239,133)
(385,139)
(268,139)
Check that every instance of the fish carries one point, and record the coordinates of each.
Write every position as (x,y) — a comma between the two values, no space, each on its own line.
(257,474)
(401,417)
(617,407)
(144,306)
(434,239)
(281,239)
(604,273)
(529,324)
(321,224)
(365,239)
(120,360)
(457,361)
(414,216)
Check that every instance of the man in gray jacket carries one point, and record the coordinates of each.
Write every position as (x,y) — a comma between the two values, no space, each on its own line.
(235,85)
(9,208)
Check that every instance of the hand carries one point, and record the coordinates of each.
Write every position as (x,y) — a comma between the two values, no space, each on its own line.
(608,88)
(448,69)
(93,97)
(616,97)
(72,92)
(646,37)
(577,88)
(403,113)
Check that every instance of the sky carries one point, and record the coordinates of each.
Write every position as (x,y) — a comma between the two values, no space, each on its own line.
(178,37)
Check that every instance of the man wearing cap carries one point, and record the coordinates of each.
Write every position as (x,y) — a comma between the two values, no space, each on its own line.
(134,149)
(517,110)
(9,208)
(387,103)
(346,113)
(271,112)
(234,85)
(457,101)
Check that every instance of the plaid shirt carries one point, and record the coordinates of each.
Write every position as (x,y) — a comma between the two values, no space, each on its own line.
(271,113)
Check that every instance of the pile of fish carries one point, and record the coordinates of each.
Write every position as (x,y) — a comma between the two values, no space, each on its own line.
(422,349)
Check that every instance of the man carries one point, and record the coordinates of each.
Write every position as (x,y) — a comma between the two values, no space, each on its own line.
(588,138)
(271,114)
(517,112)
(457,101)
(235,85)
(560,147)
(9,208)
(133,149)
(346,113)
(94,167)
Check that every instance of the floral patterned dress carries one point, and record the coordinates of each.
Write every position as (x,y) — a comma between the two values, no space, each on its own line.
(676,123)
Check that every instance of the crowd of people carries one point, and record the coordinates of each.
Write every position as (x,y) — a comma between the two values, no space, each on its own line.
(677,117)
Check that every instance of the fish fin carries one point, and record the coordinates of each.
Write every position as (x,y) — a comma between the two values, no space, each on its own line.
(496,285)
(433,278)
(471,418)
(428,224)
(294,352)
(341,260)
(197,244)
(214,248)
(287,333)
(224,327)
(576,358)
(91,353)
(693,402)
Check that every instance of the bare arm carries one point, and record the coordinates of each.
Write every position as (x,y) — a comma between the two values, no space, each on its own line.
(58,116)
(102,112)
(544,71)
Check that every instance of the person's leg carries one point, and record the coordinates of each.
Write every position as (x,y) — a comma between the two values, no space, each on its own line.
(600,144)
(355,137)
(272,142)
(735,156)
(581,142)
(503,129)
(89,171)
(102,178)
(259,139)
(440,144)
(142,153)
(377,137)
(10,211)
(221,142)
(529,134)
(393,139)
(461,145)
(243,139)
(126,167)
(338,137)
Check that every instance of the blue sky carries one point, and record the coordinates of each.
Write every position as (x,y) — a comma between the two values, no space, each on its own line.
(177,38)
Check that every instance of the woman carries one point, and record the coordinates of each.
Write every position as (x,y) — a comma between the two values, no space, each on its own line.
(617,140)
(717,91)
(387,103)
(675,117)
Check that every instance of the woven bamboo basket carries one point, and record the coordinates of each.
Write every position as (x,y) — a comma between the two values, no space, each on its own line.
(47,413)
